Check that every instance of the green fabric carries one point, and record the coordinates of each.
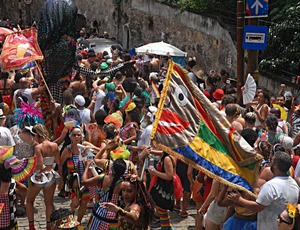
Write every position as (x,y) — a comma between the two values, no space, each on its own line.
(110,87)
(206,135)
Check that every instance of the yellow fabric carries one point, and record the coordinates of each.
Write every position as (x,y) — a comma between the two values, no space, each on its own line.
(283,113)
(130,107)
(221,160)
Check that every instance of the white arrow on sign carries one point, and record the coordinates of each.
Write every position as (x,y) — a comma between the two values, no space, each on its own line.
(257,4)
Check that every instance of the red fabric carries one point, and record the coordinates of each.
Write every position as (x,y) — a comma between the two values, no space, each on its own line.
(154,178)
(295,160)
(59,130)
(7,99)
(177,187)
(207,188)
(19,49)
(176,183)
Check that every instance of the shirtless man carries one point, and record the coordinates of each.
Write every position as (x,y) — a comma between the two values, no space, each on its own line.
(232,110)
(30,93)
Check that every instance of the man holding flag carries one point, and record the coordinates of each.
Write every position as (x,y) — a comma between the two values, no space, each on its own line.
(274,196)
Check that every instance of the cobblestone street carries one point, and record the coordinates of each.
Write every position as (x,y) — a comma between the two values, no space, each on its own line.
(40,216)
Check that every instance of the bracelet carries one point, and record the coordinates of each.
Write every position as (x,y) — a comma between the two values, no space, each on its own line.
(121,212)
(93,101)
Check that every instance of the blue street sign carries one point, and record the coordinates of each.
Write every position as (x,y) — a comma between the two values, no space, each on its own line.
(255,37)
(257,8)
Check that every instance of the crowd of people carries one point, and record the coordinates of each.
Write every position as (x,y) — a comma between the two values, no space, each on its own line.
(97,151)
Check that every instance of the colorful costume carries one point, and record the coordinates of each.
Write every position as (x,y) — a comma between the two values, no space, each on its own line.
(8,217)
(102,218)
(74,178)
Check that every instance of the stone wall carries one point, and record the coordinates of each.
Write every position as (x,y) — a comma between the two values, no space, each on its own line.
(136,22)
(273,86)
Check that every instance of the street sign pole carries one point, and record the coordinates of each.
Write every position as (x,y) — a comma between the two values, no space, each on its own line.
(252,62)
(254,10)
(240,51)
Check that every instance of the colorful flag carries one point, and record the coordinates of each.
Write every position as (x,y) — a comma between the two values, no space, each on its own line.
(189,127)
(155,91)
(19,49)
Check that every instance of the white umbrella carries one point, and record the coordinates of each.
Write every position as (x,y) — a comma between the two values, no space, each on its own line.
(161,48)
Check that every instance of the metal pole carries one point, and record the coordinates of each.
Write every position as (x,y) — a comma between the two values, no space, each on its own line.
(240,52)
(252,63)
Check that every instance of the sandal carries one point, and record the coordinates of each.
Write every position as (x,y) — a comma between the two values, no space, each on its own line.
(184,214)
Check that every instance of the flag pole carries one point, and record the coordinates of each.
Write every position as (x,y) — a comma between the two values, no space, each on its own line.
(40,72)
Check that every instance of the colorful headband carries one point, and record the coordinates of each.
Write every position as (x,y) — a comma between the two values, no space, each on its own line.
(28,113)
(131,177)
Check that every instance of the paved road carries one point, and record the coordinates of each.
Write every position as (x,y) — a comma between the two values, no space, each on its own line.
(40,218)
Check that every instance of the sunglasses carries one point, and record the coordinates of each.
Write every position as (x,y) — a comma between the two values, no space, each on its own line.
(281,220)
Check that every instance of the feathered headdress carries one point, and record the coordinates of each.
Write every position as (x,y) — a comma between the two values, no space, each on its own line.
(28,114)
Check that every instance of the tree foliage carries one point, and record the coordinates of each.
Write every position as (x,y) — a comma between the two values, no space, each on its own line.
(283,48)
(283,51)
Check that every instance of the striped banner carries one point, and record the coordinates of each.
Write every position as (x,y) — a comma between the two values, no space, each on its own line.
(188,126)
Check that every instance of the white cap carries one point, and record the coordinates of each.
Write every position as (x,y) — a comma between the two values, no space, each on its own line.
(80,100)
(151,112)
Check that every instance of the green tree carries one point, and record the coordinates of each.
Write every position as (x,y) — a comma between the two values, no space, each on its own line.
(283,48)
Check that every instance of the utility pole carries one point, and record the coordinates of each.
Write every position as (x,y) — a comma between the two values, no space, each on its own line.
(252,62)
(240,52)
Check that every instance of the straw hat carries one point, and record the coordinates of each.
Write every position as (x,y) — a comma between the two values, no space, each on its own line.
(198,71)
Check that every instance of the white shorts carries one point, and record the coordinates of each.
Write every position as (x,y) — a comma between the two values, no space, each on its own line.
(215,213)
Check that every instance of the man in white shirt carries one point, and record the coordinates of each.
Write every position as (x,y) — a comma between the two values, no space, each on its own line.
(98,95)
(274,195)
(85,114)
